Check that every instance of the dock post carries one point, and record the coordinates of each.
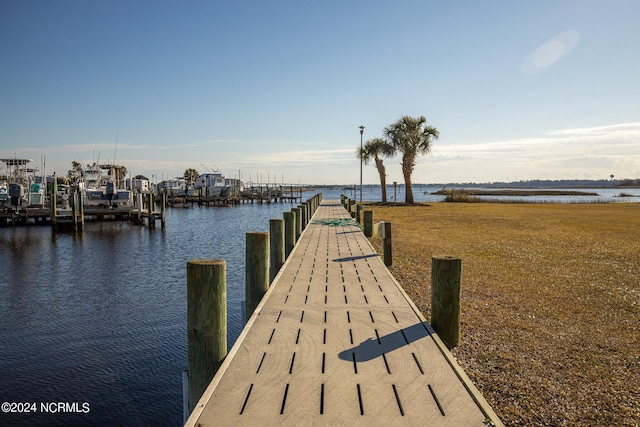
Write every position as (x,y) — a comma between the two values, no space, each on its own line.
(206,323)
(53,201)
(359,213)
(152,208)
(368,223)
(289,232)
(386,243)
(81,204)
(74,208)
(310,210)
(446,273)
(163,209)
(276,242)
(77,210)
(298,218)
(140,203)
(303,217)
(256,269)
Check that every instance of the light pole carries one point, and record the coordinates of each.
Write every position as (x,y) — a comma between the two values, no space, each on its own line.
(361,132)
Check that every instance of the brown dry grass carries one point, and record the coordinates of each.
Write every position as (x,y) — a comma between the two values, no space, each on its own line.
(550,303)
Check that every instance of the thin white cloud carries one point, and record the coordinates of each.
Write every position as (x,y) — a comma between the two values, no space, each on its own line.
(297,157)
(550,52)
(580,152)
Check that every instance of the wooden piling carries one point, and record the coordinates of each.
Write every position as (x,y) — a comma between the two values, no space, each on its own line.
(81,203)
(53,201)
(289,232)
(74,208)
(206,323)
(303,216)
(446,273)
(368,223)
(163,209)
(387,249)
(77,210)
(140,204)
(298,218)
(256,269)
(276,243)
(151,221)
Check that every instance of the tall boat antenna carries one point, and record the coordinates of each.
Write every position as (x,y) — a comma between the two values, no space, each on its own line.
(116,149)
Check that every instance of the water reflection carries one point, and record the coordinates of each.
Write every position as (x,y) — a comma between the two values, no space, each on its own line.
(100,316)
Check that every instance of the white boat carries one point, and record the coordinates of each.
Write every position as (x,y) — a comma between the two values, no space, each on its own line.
(212,183)
(101,189)
(178,187)
(24,187)
(5,200)
(36,194)
(232,186)
(62,194)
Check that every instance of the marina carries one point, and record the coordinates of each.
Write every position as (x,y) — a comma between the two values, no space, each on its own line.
(98,192)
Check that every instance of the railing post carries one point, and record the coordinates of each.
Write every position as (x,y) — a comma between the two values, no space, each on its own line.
(206,323)
(276,241)
(257,269)
(386,244)
(446,273)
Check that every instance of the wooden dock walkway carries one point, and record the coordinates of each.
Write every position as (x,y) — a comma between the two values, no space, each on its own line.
(336,341)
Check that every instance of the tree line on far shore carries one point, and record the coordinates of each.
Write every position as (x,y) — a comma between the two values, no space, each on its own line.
(409,136)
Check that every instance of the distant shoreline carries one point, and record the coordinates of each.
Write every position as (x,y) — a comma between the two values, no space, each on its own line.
(519,192)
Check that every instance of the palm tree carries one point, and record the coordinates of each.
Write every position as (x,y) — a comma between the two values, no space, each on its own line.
(191,175)
(410,136)
(373,149)
(75,171)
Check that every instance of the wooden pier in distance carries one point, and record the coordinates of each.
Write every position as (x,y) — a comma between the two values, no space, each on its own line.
(336,341)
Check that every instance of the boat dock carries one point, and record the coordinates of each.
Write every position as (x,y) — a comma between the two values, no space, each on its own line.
(336,341)
(261,193)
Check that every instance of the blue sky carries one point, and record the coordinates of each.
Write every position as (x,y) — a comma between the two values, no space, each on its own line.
(277,90)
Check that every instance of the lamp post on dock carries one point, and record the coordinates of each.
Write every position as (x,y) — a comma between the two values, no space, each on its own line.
(361,132)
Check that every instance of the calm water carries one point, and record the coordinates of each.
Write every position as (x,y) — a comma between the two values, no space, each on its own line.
(100,318)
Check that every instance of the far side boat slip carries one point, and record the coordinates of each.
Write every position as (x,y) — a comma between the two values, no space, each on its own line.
(336,341)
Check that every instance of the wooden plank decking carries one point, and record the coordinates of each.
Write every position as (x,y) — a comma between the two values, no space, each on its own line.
(336,341)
